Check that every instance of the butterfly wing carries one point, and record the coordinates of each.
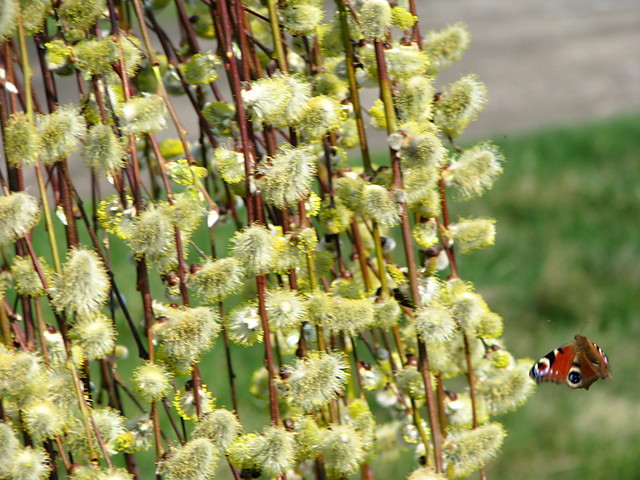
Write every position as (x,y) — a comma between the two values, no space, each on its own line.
(555,365)
(578,364)
(590,363)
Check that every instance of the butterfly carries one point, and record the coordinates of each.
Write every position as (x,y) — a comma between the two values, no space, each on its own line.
(577,364)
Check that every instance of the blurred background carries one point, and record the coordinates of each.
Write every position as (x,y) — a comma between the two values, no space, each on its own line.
(545,62)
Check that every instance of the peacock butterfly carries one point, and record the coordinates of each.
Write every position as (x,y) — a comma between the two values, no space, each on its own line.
(577,364)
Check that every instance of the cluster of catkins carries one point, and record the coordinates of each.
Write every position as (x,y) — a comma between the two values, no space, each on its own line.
(340,272)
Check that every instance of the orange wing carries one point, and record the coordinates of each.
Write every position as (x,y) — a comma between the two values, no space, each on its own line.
(555,365)
(578,364)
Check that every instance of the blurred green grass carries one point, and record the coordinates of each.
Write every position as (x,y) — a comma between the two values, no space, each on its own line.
(565,262)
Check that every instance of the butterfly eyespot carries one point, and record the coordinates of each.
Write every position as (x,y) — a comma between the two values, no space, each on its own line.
(543,363)
(574,377)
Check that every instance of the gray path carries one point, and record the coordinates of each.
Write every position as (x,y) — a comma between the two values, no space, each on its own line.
(546,61)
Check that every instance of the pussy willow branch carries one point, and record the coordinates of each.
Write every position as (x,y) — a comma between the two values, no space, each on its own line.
(415,30)
(277,37)
(360,253)
(16,183)
(253,200)
(150,52)
(142,282)
(423,358)
(143,354)
(354,95)
(171,53)
(49,90)
(250,63)
(88,421)
(449,249)
(187,27)
(71,231)
(133,168)
(327,148)
(225,38)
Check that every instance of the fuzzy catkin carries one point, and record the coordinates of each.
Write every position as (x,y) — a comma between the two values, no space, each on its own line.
(254,248)
(343,451)
(84,284)
(103,150)
(21,141)
(30,463)
(468,450)
(217,279)
(316,380)
(196,460)
(288,176)
(60,133)
(271,453)
(184,334)
(152,381)
(19,213)
(220,426)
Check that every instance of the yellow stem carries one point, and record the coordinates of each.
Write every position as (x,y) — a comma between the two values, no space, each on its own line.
(277,38)
(382,269)
(48,219)
(5,324)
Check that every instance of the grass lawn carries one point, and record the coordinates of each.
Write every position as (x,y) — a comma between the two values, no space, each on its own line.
(566,261)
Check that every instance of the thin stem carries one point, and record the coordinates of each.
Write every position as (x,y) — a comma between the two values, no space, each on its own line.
(46,210)
(362,257)
(423,367)
(471,380)
(26,67)
(271,366)
(449,249)
(5,324)
(230,370)
(382,270)
(277,37)
(423,359)
(356,362)
(354,95)
(63,454)
(415,30)
(41,329)
(186,25)
(441,398)
(236,85)
(417,421)
(385,88)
